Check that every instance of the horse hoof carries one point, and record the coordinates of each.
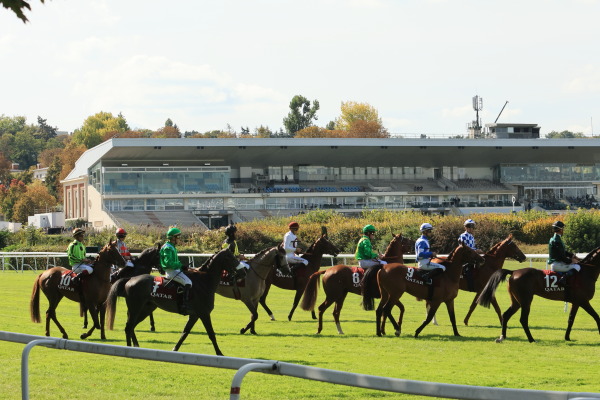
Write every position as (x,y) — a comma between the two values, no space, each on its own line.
(152,329)
(397,333)
(500,339)
(272,317)
(83,336)
(242,331)
(253,332)
(65,336)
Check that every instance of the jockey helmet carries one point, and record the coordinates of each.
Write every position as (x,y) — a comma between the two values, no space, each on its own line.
(77,231)
(558,225)
(426,227)
(469,223)
(230,230)
(172,232)
(293,225)
(369,229)
(121,232)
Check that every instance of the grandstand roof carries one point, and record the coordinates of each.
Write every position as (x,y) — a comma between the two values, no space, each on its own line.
(260,152)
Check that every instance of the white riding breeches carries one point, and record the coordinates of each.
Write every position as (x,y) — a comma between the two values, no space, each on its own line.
(427,265)
(560,266)
(178,276)
(83,267)
(370,263)
(294,259)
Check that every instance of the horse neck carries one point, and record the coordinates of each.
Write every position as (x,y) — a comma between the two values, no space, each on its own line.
(394,252)
(264,262)
(316,255)
(454,267)
(496,256)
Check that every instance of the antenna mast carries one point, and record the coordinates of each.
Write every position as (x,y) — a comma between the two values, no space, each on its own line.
(475,126)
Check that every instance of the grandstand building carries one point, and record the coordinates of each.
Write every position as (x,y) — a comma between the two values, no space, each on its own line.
(211,182)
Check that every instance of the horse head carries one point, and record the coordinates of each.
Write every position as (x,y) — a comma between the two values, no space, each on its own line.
(324,246)
(398,246)
(510,249)
(465,254)
(149,258)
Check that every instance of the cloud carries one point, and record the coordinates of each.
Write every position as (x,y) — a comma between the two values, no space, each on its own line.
(462,111)
(585,80)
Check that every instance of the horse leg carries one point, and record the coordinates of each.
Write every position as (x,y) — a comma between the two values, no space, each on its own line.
(590,310)
(263,301)
(432,310)
(188,328)
(152,327)
(85,318)
(427,307)
(401,317)
(322,308)
(95,323)
(253,317)
(472,308)
(497,308)
(525,309)
(572,314)
(337,310)
(510,311)
(450,307)
(296,301)
(51,315)
(378,313)
(387,310)
(102,318)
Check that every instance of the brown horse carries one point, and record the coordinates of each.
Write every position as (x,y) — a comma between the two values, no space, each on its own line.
(143,295)
(254,282)
(395,279)
(298,279)
(527,282)
(340,280)
(56,283)
(477,278)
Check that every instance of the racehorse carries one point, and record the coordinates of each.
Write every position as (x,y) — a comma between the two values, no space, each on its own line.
(148,259)
(254,283)
(526,282)
(476,279)
(340,280)
(56,283)
(299,277)
(395,279)
(143,297)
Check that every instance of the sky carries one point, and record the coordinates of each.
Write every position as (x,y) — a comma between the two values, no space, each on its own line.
(210,64)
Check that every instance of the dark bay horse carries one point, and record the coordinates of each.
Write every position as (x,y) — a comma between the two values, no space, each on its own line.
(527,282)
(142,298)
(340,280)
(56,283)
(396,279)
(298,279)
(148,259)
(254,282)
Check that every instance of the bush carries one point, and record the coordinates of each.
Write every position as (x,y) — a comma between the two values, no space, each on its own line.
(582,231)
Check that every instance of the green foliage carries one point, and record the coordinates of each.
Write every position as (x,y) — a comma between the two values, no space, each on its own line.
(582,231)
(565,135)
(52,180)
(5,238)
(301,114)
(96,126)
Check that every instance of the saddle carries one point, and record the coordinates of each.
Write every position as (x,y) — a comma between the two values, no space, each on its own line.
(167,289)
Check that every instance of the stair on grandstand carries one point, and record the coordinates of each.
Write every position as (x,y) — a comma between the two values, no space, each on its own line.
(157,218)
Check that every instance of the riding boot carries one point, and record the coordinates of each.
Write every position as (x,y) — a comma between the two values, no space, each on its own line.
(185,305)
(563,279)
(78,277)
(114,276)
(429,275)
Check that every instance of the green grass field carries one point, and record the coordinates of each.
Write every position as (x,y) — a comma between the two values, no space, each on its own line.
(472,359)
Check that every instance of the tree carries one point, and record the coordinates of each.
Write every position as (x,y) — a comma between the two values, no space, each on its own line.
(168,122)
(69,156)
(263,132)
(360,120)
(330,125)
(18,6)
(312,132)
(35,199)
(565,135)
(96,126)
(11,125)
(5,175)
(52,180)
(45,131)
(301,114)
(9,195)
(25,149)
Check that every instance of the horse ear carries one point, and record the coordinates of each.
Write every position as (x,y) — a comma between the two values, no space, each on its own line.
(324,231)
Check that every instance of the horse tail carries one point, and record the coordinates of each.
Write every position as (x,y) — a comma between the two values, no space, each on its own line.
(111,301)
(34,303)
(489,291)
(310,292)
(368,283)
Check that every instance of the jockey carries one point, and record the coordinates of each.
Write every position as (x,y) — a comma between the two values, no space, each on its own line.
(122,247)
(559,258)
(467,236)
(291,245)
(80,264)
(231,243)
(424,255)
(364,249)
(169,261)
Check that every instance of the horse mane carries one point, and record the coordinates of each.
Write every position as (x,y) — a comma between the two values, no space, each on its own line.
(494,249)
(591,256)
(453,252)
(393,242)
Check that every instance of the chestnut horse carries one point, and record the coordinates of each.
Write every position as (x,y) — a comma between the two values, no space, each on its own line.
(299,277)
(56,283)
(526,282)
(340,280)
(141,301)
(254,282)
(148,259)
(395,279)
